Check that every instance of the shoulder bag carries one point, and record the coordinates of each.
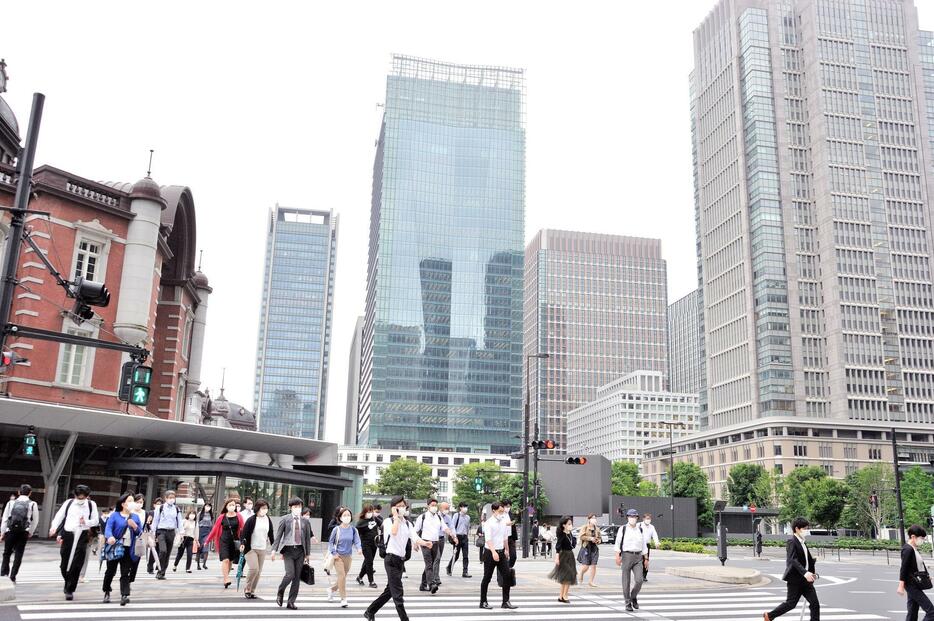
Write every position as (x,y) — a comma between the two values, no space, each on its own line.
(113,552)
(921,578)
(481,538)
(329,558)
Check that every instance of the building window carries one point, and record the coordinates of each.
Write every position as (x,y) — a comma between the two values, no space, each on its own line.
(826,450)
(393,458)
(180,401)
(777,449)
(88,259)
(442,461)
(474,460)
(186,335)
(849,451)
(75,361)
(779,469)
(458,461)
(379,457)
(504,463)
(442,486)
(442,472)
(351,457)
(801,450)
(427,460)
(828,468)
(875,453)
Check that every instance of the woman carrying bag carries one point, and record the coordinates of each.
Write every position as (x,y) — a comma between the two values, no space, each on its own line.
(565,572)
(590,551)
(226,534)
(120,535)
(914,578)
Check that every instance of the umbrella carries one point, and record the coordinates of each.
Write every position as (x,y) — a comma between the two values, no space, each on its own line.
(240,569)
(155,556)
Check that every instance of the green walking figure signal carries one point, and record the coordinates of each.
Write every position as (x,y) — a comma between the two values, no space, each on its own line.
(478,484)
(30,443)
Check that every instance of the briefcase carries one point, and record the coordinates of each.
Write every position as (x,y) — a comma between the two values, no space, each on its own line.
(510,576)
(308,574)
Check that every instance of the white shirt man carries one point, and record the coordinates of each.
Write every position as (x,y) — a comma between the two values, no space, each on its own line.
(630,552)
(649,532)
(496,556)
(247,511)
(32,515)
(431,526)
(71,525)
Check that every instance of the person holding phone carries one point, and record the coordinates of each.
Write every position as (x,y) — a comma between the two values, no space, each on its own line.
(799,573)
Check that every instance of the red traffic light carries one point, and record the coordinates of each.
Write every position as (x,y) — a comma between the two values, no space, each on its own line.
(544,444)
(576,461)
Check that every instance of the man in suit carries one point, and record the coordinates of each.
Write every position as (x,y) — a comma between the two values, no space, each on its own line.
(293,542)
(799,573)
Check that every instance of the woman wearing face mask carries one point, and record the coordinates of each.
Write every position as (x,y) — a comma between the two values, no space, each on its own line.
(188,542)
(142,545)
(344,540)
(799,573)
(121,531)
(590,551)
(257,539)
(205,524)
(565,572)
(368,530)
(911,580)
(226,534)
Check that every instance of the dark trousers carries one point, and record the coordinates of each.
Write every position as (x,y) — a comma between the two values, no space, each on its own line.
(369,553)
(431,573)
(165,539)
(134,567)
(462,547)
(645,564)
(918,599)
(394,568)
(202,556)
(80,544)
(125,564)
(512,552)
(797,588)
(14,544)
(489,566)
(294,558)
(187,544)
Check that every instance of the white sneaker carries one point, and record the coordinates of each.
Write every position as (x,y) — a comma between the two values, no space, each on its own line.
(84,579)
(343,603)
(330,595)
(405,576)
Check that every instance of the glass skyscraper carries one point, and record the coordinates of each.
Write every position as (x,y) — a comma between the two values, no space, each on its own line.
(290,394)
(442,348)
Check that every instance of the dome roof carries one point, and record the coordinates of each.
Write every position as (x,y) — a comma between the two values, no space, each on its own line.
(148,189)
(7,116)
(199,280)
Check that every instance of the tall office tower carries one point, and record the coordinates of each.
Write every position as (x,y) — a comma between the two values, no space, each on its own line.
(813,186)
(685,357)
(353,383)
(290,395)
(442,346)
(597,305)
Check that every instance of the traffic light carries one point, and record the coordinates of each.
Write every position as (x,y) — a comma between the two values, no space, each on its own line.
(478,485)
(576,461)
(139,387)
(30,443)
(88,293)
(874,500)
(9,359)
(544,444)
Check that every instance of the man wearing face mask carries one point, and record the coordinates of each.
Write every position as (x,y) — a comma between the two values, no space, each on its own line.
(496,533)
(70,528)
(651,536)
(630,550)
(513,531)
(430,526)
(799,574)
(461,527)
(293,542)
(166,521)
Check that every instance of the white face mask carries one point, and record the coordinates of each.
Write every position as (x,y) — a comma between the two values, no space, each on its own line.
(805,533)
(297,511)
(132,507)
(593,521)
(632,521)
(433,509)
(170,501)
(463,509)
(369,516)
(405,513)
(647,521)
(81,501)
(345,519)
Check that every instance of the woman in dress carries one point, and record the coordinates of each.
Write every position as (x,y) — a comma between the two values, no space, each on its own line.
(205,524)
(121,530)
(226,535)
(590,549)
(565,571)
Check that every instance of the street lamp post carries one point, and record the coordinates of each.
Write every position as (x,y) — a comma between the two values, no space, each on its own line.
(671,471)
(525,455)
(898,491)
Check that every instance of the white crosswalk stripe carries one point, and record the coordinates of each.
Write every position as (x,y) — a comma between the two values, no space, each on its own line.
(533,606)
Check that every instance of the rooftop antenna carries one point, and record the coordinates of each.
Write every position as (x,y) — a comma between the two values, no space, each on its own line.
(149,170)
(223,377)
(200,255)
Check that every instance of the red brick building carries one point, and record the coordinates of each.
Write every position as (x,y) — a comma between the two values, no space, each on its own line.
(139,239)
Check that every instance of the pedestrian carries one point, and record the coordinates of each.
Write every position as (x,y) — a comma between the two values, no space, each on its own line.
(224,535)
(496,535)
(914,577)
(257,537)
(166,523)
(120,533)
(70,527)
(430,526)
(189,541)
(533,538)
(142,539)
(293,541)
(344,540)
(589,553)
(513,531)
(399,538)
(150,532)
(368,530)
(548,537)
(479,538)
(17,526)
(247,510)
(651,541)
(799,573)
(95,539)
(565,571)
(205,524)
(461,527)
(630,550)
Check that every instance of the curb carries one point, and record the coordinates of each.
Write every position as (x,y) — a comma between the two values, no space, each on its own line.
(735,575)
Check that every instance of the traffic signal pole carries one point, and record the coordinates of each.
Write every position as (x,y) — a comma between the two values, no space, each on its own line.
(898,491)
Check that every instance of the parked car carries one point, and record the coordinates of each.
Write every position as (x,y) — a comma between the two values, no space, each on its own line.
(607,532)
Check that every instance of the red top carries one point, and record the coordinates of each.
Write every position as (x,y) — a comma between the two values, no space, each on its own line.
(215,534)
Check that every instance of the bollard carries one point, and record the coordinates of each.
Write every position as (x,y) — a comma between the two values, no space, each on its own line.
(886,556)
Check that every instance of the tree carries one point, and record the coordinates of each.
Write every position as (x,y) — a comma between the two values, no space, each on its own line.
(878,480)
(825,499)
(744,485)
(917,495)
(647,488)
(624,478)
(790,491)
(511,490)
(465,488)
(409,478)
(692,482)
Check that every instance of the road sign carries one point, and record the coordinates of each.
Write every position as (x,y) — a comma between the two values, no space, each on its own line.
(752,508)
(745,507)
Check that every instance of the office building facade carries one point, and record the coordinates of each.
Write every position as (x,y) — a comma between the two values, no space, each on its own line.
(442,350)
(811,142)
(685,356)
(353,383)
(597,305)
(290,394)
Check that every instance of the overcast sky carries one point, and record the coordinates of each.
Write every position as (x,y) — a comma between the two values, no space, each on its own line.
(255,103)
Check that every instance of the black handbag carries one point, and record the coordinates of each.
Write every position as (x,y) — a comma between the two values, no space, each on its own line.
(511,573)
(308,574)
(921,580)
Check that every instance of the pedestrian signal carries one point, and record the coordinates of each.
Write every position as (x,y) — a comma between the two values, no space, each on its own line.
(30,443)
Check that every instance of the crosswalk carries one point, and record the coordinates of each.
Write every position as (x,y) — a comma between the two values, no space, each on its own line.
(741,605)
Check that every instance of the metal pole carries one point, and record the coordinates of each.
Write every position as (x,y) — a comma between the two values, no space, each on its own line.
(525,463)
(671,455)
(898,491)
(535,437)
(20,205)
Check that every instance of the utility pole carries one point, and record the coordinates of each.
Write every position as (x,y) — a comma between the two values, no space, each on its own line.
(525,456)
(898,491)
(671,472)
(20,206)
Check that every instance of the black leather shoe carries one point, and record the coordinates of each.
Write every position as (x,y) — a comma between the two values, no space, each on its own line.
(279,598)
(124,600)
(466,576)
(485,605)
(423,588)
(291,606)
(509,606)
(360,581)
(106,598)
(434,589)
(635,604)
(628,607)
(369,616)
(449,571)
(69,596)
(373,585)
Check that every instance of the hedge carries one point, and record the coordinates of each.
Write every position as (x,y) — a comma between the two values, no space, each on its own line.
(682,546)
(851,543)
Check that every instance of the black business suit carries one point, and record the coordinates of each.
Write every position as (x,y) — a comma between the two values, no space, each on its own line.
(796,565)
(916,597)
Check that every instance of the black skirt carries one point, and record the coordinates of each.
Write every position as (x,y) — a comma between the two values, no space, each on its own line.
(227,548)
(565,572)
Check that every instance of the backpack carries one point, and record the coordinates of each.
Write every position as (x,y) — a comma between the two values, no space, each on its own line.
(61,527)
(20,516)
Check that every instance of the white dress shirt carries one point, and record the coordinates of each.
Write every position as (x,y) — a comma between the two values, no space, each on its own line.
(807,558)
(648,530)
(632,540)
(496,533)
(75,513)
(431,525)
(33,515)
(395,544)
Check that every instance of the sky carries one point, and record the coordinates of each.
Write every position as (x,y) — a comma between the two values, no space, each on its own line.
(252,104)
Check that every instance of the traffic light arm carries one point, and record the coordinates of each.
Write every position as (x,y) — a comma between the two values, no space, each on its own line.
(139,353)
(27,237)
